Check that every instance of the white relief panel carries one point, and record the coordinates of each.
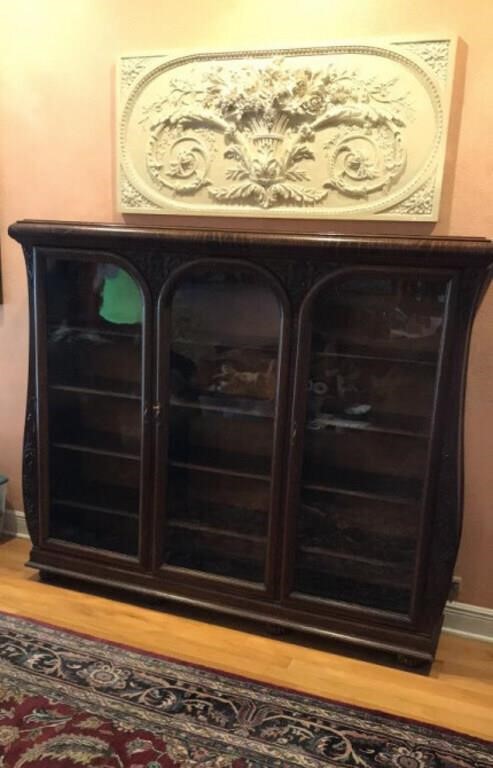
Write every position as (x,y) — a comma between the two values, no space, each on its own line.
(345,131)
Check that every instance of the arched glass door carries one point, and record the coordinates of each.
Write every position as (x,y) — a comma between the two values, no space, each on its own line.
(368,367)
(221,361)
(94,349)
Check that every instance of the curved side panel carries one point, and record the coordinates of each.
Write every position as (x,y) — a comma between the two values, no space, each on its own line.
(449,494)
(30,478)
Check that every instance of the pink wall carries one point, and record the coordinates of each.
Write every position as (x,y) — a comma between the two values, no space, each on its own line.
(57,161)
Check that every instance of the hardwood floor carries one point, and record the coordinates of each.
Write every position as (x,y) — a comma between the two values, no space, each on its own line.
(457,694)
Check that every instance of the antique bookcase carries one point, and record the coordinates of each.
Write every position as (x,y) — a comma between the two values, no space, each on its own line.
(264,425)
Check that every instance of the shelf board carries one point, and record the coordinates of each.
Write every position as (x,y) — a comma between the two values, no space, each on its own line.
(97,451)
(247,571)
(232,342)
(93,391)
(95,542)
(335,554)
(89,333)
(68,487)
(224,460)
(219,471)
(193,526)
(364,426)
(385,487)
(218,515)
(379,358)
(219,408)
(353,582)
(94,508)
(334,488)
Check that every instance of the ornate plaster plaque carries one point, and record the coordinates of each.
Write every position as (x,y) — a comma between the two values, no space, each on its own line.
(343,131)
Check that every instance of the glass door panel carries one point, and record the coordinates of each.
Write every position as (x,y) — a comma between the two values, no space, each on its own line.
(224,334)
(218,523)
(373,348)
(94,315)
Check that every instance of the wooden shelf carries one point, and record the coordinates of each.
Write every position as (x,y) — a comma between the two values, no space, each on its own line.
(121,540)
(93,508)
(202,528)
(69,446)
(390,498)
(217,515)
(219,471)
(341,422)
(88,492)
(393,578)
(231,342)
(379,358)
(204,454)
(176,403)
(391,596)
(93,391)
(246,570)
(88,333)
(337,555)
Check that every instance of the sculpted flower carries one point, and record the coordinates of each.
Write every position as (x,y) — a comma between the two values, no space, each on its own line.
(300,87)
(360,165)
(8,734)
(314,104)
(340,94)
(306,133)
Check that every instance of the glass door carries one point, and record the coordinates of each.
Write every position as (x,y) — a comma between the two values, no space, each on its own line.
(369,361)
(221,364)
(93,336)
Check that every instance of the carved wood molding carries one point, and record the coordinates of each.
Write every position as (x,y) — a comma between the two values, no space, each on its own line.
(343,131)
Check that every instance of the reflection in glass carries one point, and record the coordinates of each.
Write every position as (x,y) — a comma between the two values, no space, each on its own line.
(94,358)
(375,345)
(225,329)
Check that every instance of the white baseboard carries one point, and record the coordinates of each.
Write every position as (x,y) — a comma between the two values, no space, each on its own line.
(469,621)
(15,524)
(462,619)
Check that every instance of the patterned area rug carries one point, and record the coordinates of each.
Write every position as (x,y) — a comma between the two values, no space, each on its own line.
(68,700)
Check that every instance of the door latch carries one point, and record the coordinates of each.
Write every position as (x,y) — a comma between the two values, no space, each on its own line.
(152,413)
(294,433)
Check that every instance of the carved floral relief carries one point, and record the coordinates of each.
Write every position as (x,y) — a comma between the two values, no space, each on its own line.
(341,132)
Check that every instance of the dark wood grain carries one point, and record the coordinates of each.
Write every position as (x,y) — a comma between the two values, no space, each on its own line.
(295,266)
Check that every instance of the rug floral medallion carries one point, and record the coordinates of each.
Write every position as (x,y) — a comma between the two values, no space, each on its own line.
(67,700)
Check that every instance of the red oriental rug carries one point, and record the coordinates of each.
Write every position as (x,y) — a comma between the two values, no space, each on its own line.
(67,700)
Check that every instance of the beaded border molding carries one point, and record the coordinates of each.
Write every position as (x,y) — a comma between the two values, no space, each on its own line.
(344,131)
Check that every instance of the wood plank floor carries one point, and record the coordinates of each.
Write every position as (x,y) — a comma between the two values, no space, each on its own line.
(457,694)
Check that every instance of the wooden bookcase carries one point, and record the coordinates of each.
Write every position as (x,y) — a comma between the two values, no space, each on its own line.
(264,425)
